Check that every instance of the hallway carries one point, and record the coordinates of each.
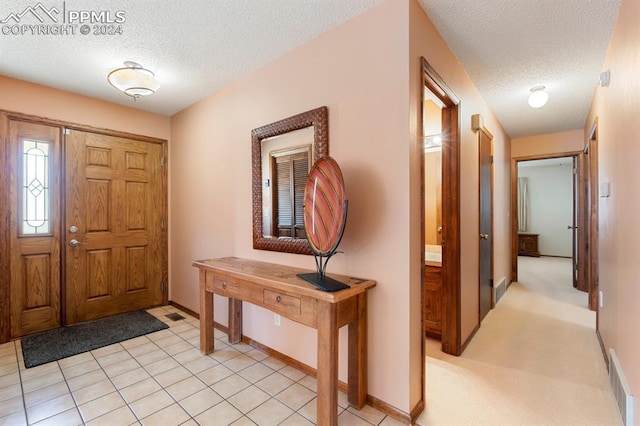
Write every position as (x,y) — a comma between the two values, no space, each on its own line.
(535,360)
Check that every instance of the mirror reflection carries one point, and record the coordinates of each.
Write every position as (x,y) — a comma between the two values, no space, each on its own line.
(432,131)
(282,155)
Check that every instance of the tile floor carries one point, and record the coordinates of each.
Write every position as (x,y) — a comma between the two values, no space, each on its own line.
(163,379)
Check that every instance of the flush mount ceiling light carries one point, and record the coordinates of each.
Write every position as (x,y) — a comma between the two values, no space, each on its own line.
(538,97)
(133,80)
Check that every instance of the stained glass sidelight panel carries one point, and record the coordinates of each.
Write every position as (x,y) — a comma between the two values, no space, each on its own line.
(36,205)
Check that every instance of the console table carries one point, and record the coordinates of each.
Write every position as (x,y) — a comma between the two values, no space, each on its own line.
(277,288)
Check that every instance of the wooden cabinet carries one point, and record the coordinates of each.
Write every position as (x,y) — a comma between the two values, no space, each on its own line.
(528,245)
(433,301)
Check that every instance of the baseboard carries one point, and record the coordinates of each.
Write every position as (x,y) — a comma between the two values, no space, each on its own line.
(552,255)
(602,348)
(373,401)
(417,410)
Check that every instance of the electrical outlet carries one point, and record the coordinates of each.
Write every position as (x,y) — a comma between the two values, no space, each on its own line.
(600,299)
(276,319)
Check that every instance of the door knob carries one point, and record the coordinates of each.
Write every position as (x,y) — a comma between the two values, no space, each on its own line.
(484,236)
(74,243)
(572,227)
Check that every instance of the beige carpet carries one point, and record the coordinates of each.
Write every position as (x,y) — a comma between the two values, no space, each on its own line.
(535,360)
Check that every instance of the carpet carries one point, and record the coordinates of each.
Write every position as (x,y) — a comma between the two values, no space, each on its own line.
(52,345)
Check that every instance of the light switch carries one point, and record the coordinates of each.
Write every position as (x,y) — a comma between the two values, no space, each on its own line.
(604,189)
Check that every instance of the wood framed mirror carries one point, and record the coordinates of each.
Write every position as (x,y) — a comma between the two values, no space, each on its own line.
(282,154)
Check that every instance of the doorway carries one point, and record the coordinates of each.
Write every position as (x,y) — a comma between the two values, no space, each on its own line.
(559,232)
(85,228)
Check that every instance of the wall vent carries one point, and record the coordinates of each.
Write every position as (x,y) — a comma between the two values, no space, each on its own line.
(501,288)
(620,389)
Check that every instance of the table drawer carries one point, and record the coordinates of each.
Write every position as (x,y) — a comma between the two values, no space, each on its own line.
(229,287)
(282,303)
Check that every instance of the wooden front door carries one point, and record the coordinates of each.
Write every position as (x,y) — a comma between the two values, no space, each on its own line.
(34,227)
(486,222)
(113,225)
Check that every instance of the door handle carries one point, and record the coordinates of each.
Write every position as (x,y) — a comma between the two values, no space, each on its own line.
(74,243)
(572,227)
(484,236)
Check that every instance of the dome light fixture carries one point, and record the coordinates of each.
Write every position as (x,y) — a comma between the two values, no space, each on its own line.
(133,80)
(538,97)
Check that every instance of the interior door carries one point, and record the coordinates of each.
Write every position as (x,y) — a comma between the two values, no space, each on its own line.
(486,222)
(573,227)
(34,242)
(113,225)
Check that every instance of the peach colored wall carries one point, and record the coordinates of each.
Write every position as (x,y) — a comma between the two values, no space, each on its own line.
(360,71)
(426,41)
(550,143)
(34,99)
(617,110)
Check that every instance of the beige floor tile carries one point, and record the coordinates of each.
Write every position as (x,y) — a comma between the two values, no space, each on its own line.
(214,374)
(13,419)
(77,369)
(200,401)
(189,334)
(136,341)
(161,366)
(390,421)
(114,358)
(292,373)
(309,383)
(9,379)
(243,421)
(295,396)
(248,399)
(222,414)
(151,357)
(219,334)
(239,363)
(70,417)
(189,355)
(230,386)
(177,347)
(310,410)
(10,391)
(296,420)
(185,388)
(40,370)
(172,376)
(349,419)
(168,340)
(120,416)
(9,368)
(225,354)
(103,405)
(140,390)
(199,364)
(11,405)
(91,392)
(274,384)
(129,378)
(145,348)
(190,422)
(85,380)
(257,354)
(171,415)
(148,405)
(50,408)
(242,347)
(45,394)
(273,363)
(194,341)
(368,413)
(118,368)
(107,350)
(42,381)
(256,372)
(159,335)
(76,359)
(180,328)
(270,413)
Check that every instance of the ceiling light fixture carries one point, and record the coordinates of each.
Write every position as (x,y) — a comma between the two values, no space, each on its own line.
(538,97)
(133,80)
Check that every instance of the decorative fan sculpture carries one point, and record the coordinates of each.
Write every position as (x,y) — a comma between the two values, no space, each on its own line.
(325,215)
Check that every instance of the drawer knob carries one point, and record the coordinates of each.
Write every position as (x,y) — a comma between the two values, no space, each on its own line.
(278,299)
(224,286)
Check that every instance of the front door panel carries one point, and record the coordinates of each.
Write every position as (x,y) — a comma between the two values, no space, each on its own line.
(114,196)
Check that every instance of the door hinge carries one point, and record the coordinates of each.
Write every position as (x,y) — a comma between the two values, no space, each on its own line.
(161,223)
(162,161)
(67,131)
(491,159)
(491,283)
(162,286)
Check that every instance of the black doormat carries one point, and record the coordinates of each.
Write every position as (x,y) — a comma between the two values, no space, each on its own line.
(64,342)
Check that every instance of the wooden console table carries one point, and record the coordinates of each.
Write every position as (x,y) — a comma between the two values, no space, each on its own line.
(277,288)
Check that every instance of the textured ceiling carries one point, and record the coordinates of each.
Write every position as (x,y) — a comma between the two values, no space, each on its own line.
(198,46)
(509,46)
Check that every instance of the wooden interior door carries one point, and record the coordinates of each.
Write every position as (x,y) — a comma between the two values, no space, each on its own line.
(34,242)
(486,222)
(113,225)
